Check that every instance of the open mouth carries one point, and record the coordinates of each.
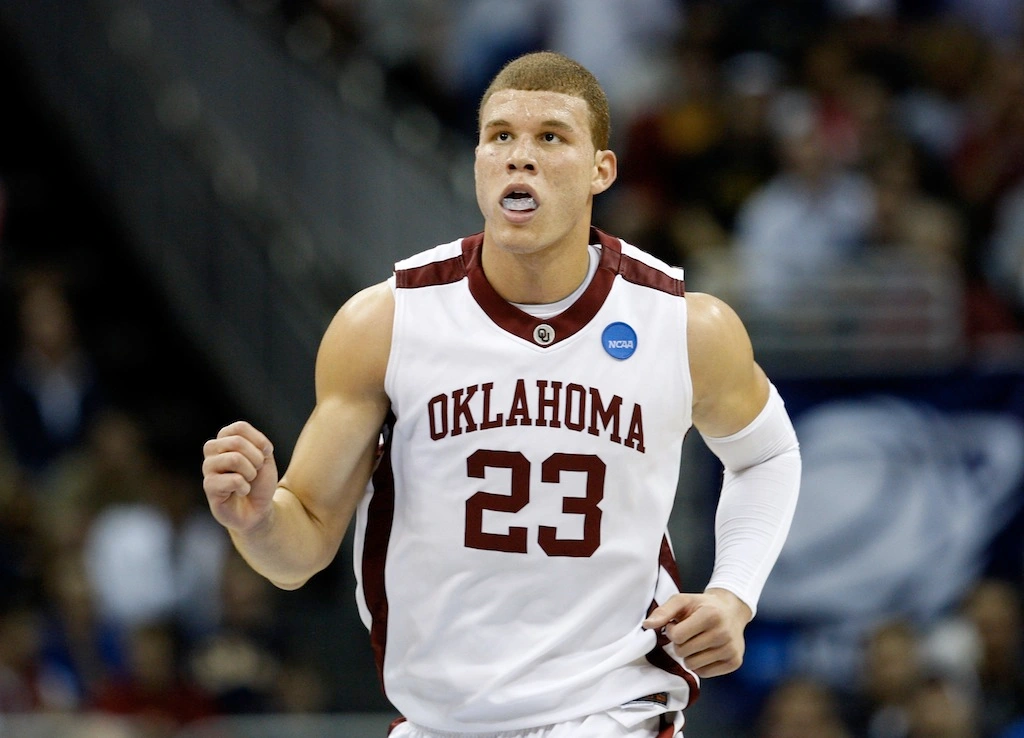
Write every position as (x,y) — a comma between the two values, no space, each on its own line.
(519,200)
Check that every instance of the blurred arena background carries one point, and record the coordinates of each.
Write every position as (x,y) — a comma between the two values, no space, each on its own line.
(188,191)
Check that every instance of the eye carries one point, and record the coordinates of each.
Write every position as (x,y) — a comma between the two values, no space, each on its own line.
(503,136)
(550,137)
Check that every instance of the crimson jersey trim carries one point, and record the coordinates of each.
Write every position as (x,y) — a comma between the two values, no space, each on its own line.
(380,516)
(657,655)
(513,320)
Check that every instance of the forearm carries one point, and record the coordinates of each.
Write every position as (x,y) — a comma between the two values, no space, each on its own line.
(753,518)
(290,545)
(759,494)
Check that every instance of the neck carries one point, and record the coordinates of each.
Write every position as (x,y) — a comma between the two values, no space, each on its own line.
(536,278)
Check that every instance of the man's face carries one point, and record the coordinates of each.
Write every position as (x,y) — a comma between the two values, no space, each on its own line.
(536,169)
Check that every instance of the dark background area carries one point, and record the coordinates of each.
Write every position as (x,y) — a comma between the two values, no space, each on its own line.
(55,219)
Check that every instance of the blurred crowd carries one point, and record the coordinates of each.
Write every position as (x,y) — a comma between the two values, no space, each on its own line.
(772,142)
(909,686)
(119,595)
(118,592)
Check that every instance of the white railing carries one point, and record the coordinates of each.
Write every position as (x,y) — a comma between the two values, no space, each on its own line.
(888,312)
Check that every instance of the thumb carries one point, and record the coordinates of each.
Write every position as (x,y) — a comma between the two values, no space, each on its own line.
(671,611)
(266,474)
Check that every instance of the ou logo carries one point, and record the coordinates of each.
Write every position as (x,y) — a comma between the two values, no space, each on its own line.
(544,334)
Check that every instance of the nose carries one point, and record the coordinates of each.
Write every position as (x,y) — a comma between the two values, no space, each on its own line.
(521,156)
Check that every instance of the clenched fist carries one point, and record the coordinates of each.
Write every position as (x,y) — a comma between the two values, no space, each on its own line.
(239,476)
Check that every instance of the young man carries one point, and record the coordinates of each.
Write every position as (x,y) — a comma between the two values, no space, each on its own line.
(534,384)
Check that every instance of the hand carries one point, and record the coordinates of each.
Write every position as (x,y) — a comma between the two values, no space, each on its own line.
(707,629)
(239,476)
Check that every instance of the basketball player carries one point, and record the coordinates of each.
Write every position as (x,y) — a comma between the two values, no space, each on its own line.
(504,418)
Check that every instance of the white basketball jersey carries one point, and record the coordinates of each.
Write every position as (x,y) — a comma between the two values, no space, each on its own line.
(513,537)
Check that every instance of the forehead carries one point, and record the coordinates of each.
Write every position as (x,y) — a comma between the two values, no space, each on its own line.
(532,106)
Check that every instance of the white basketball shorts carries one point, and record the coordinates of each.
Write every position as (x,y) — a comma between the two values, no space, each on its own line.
(601,725)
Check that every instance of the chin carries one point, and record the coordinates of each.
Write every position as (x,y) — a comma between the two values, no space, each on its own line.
(519,239)
(519,243)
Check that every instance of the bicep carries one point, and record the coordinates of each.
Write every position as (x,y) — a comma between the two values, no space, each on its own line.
(333,460)
(335,453)
(729,388)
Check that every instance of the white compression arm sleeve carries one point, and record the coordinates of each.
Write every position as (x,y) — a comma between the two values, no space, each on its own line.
(759,494)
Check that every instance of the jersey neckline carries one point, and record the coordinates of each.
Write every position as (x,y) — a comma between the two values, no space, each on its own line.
(544,333)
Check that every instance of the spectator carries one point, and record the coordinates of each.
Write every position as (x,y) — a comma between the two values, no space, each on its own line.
(807,221)
(933,109)
(994,608)
(50,393)
(747,158)
(301,689)
(673,147)
(157,557)
(801,708)
(891,673)
(154,689)
(80,650)
(943,709)
(110,467)
(989,160)
(21,548)
(1001,22)
(625,43)
(906,218)
(240,662)
(1004,257)
(20,686)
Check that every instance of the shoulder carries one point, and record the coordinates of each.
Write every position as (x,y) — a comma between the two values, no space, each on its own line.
(356,344)
(713,325)
(717,341)
(365,314)
(729,388)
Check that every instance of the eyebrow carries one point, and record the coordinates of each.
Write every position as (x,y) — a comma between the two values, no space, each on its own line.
(502,123)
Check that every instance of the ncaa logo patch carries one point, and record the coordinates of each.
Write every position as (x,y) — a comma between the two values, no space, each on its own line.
(619,340)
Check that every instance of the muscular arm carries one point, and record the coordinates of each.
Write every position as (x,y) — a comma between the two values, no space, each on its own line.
(743,421)
(289,529)
(729,388)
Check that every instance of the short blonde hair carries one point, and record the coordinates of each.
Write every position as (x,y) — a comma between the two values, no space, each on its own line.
(549,71)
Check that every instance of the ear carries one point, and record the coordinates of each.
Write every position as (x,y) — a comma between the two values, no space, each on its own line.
(606,169)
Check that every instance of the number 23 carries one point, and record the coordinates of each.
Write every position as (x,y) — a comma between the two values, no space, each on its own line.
(515,540)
